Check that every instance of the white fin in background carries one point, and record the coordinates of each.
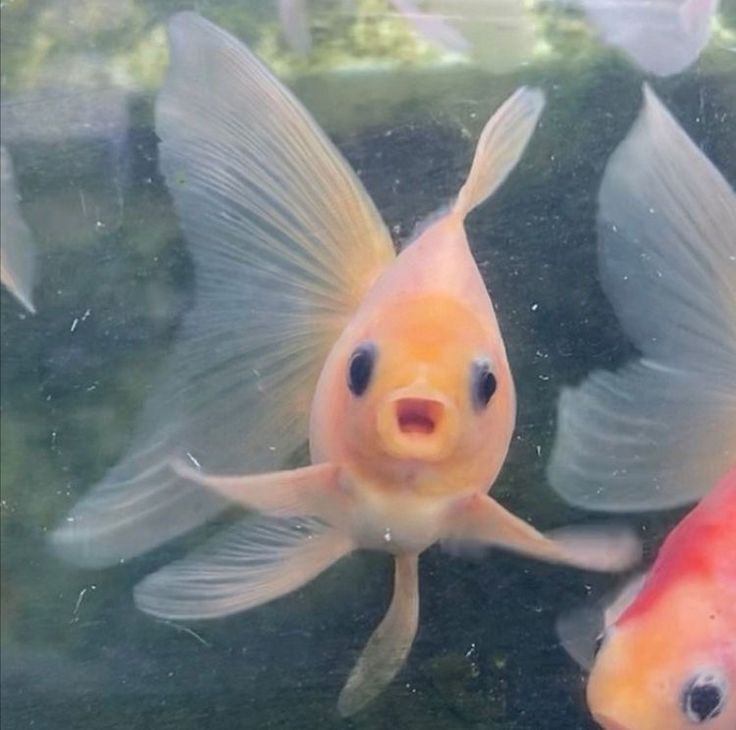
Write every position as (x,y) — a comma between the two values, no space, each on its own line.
(663,37)
(390,644)
(245,566)
(582,629)
(17,248)
(433,27)
(502,143)
(285,243)
(659,432)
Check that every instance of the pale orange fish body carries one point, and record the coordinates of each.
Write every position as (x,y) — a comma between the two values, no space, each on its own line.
(415,438)
(302,299)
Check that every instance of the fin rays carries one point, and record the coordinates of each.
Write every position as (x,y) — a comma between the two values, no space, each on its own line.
(661,430)
(285,243)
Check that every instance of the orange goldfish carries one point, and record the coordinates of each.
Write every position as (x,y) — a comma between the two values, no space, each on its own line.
(667,653)
(308,323)
(659,432)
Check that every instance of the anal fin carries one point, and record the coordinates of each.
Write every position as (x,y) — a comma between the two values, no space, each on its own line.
(389,645)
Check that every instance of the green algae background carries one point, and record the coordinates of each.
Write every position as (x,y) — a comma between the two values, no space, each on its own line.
(115,278)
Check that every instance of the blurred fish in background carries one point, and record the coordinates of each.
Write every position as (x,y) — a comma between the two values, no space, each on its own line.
(662,37)
(497,34)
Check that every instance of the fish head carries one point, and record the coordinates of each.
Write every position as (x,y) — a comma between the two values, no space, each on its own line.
(427,383)
(672,666)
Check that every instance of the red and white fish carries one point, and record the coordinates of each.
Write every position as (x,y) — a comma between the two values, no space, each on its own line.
(666,656)
(307,323)
(659,432)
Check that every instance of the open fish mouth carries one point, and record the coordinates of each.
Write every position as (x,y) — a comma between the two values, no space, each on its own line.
(418,415)
(418,423)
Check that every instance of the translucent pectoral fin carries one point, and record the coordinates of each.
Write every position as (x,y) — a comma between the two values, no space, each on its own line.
(311,490)
(389,645)
(480,519)
(501,145)
(248,565)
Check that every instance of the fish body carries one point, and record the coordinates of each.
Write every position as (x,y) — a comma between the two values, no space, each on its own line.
(668,662)
(307,323)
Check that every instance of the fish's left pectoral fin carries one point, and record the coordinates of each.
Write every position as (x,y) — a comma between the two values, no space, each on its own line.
(480,519)
(310,490)
(245,566)
(389,645)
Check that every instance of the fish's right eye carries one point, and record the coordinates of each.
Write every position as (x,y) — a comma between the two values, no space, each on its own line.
(360,368)
(704,696)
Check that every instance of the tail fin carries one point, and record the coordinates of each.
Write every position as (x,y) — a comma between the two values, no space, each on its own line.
(500,146)
(285,243)
(662,430)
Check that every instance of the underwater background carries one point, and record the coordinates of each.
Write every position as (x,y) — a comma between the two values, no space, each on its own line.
(114,279)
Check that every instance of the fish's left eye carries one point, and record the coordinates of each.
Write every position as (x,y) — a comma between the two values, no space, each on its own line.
(483,384)
(704,696)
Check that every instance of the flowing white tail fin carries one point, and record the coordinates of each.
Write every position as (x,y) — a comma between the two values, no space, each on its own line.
(662,430)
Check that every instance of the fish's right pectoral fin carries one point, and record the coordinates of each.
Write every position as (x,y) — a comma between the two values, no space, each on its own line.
(660,431)
(246,566)
(502,143)
(389,645)
(479,519)
(285,243)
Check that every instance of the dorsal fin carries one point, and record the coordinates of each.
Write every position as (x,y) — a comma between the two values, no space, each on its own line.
(501,144)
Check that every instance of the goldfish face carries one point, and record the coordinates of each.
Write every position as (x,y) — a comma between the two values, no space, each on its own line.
(667,672)
(429,385)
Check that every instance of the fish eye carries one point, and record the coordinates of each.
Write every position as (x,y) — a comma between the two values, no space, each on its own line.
(600,639)
(360,368)
(483,383)
(704,696)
